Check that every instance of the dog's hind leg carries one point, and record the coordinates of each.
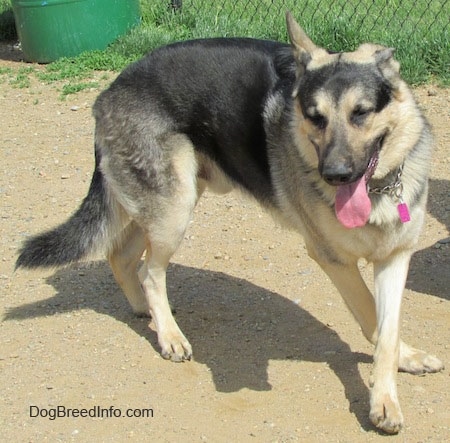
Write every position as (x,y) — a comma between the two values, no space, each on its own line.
(124,259)
(173,343)
(162,242)
(164,232)
(154,179)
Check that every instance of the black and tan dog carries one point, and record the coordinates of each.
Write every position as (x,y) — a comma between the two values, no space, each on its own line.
(333,144)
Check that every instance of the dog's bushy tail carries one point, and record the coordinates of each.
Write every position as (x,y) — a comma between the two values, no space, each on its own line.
(85,231)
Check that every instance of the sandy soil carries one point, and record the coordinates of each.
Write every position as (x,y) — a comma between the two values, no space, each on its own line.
(277,357)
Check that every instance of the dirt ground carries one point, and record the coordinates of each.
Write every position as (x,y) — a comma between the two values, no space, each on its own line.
(277,356)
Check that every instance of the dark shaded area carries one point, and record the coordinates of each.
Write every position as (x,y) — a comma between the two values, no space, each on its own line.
(234,326)
(7,25)
(429,271)
(10,51)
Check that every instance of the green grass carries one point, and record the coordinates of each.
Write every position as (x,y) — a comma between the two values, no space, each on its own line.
(418,29)
(73,88)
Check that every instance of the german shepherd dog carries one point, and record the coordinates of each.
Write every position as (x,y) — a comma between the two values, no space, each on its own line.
(333,144)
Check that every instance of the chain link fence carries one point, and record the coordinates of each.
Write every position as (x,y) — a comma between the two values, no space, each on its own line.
(364,15)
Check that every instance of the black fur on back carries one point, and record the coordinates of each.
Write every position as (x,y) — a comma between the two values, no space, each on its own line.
(215,91)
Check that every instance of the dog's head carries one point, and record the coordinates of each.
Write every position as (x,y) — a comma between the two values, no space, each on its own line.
(345,102)
(347,105)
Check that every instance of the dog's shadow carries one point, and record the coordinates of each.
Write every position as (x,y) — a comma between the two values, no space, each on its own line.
(429,268)
(234,326)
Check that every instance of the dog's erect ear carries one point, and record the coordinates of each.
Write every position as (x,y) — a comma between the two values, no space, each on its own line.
(297,36)
(388,66)
(304,50)
(302,47)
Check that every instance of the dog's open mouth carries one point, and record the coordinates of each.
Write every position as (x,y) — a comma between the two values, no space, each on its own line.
(352,204)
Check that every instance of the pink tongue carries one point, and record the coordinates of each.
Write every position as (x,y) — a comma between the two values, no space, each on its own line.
(352,204)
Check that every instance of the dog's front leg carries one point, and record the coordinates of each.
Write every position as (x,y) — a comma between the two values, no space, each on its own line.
(390,276)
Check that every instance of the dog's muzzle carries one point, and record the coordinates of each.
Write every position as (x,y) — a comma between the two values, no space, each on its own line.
(339,171)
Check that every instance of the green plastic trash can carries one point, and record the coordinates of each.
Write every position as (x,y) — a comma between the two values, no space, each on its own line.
(50,29)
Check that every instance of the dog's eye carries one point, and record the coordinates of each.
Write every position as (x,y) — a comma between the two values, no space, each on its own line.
(359,115)
(318,120)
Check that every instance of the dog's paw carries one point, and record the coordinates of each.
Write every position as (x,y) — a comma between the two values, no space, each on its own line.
(386,415)
(415,361)
(175,347)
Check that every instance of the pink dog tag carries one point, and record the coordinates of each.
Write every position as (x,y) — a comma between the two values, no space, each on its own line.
(403,212)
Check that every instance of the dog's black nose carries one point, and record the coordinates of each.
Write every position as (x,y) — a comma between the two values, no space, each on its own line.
(338,174)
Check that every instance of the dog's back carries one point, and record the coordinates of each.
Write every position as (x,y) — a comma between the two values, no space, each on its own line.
(214,91)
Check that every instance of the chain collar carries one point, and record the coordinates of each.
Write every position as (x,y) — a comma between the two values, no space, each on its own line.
(395,189)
